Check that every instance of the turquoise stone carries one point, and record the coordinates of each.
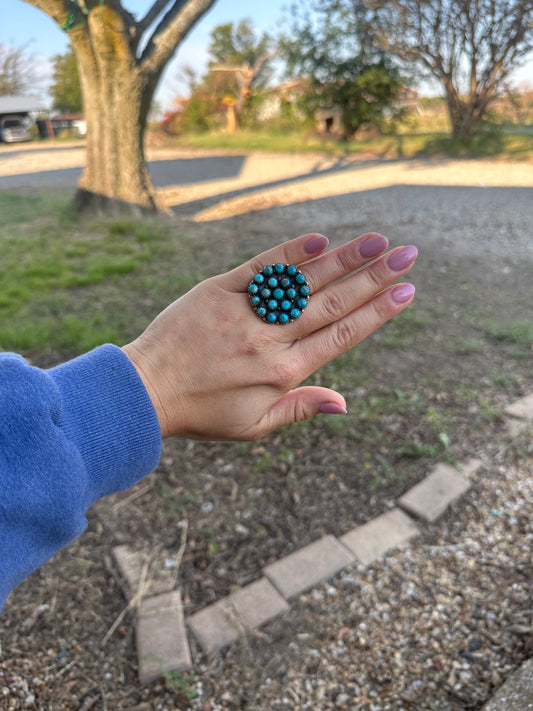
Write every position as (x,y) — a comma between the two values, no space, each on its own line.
(278,293)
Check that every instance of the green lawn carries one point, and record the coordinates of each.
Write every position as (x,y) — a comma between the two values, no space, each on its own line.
(71,283)
(490,143)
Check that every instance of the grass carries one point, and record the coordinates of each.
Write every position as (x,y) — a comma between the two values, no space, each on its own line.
(491,142)
(73,283)
(516,334)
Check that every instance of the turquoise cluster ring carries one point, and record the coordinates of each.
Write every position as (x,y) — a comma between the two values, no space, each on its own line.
(279,293)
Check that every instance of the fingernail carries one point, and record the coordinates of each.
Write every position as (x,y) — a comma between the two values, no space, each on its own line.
(402,293)
(402,258)
(316,244)
(373,246)
(332,408)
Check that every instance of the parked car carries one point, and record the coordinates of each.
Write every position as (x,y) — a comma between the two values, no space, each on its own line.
(13,130)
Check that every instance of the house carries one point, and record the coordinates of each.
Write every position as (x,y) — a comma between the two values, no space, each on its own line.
(71,123)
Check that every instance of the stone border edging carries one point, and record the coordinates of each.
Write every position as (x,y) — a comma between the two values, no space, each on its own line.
(161,636)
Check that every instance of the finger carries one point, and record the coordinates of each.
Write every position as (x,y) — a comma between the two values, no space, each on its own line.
(295,251)
(344,260)
(341,298)
(301,404)
(331,341)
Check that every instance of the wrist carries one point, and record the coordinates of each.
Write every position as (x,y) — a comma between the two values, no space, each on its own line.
(147,372)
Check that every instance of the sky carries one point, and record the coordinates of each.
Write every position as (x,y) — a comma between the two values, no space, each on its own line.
(24,24)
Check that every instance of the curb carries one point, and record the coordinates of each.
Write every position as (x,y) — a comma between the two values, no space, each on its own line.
(161,626)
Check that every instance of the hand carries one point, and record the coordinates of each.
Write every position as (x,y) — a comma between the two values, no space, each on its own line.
(215,371)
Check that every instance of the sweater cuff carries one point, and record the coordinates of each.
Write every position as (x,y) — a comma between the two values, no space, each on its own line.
(107,413)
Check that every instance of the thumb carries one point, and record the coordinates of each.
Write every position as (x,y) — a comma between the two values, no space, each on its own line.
(301,404)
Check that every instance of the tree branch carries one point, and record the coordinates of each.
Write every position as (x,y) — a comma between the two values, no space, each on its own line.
(156,9)
(174,26)
(66,13)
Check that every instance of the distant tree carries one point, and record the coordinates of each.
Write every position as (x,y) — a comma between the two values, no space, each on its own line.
(469,47)
(238,69)
(66,89)
(332,42)
(17,75)
(120,60)
(204,109)
(238,51)
(516,105)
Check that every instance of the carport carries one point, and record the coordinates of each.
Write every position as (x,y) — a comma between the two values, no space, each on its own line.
(19,107)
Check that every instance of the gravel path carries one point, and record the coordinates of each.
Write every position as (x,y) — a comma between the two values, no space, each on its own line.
(438,625)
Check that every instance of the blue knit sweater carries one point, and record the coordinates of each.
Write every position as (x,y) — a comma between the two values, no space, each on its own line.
(68,436)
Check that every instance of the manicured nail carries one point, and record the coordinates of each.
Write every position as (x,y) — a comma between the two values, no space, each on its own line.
(316,244)
(402,258)
(332,408)
(373,246)
(402,293)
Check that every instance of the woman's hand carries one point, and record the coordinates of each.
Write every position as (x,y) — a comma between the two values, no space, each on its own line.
(215,371)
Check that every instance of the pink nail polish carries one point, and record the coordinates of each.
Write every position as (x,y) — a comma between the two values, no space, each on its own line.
(373,246)
(316,244)
(402,293)
(332,408)
(400,260)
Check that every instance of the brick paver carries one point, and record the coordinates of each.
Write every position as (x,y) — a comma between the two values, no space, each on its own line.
(522,408)
(308,566)
(373,539)
(162,645)
(130,564)
(516,693)
(213,626)
(430,498)
(258,603)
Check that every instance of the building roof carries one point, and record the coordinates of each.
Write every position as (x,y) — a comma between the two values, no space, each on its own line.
(20,104)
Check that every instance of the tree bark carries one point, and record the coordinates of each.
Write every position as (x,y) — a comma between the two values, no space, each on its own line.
(466,115)
(116,98)
(118,82)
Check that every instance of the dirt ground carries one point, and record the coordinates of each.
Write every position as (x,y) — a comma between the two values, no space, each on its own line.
(431,387)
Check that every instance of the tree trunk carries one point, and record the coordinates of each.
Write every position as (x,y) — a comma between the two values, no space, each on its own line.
(118,82)
(465,115)
(116,100)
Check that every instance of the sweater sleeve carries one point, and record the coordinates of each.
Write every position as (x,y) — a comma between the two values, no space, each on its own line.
(68,436)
